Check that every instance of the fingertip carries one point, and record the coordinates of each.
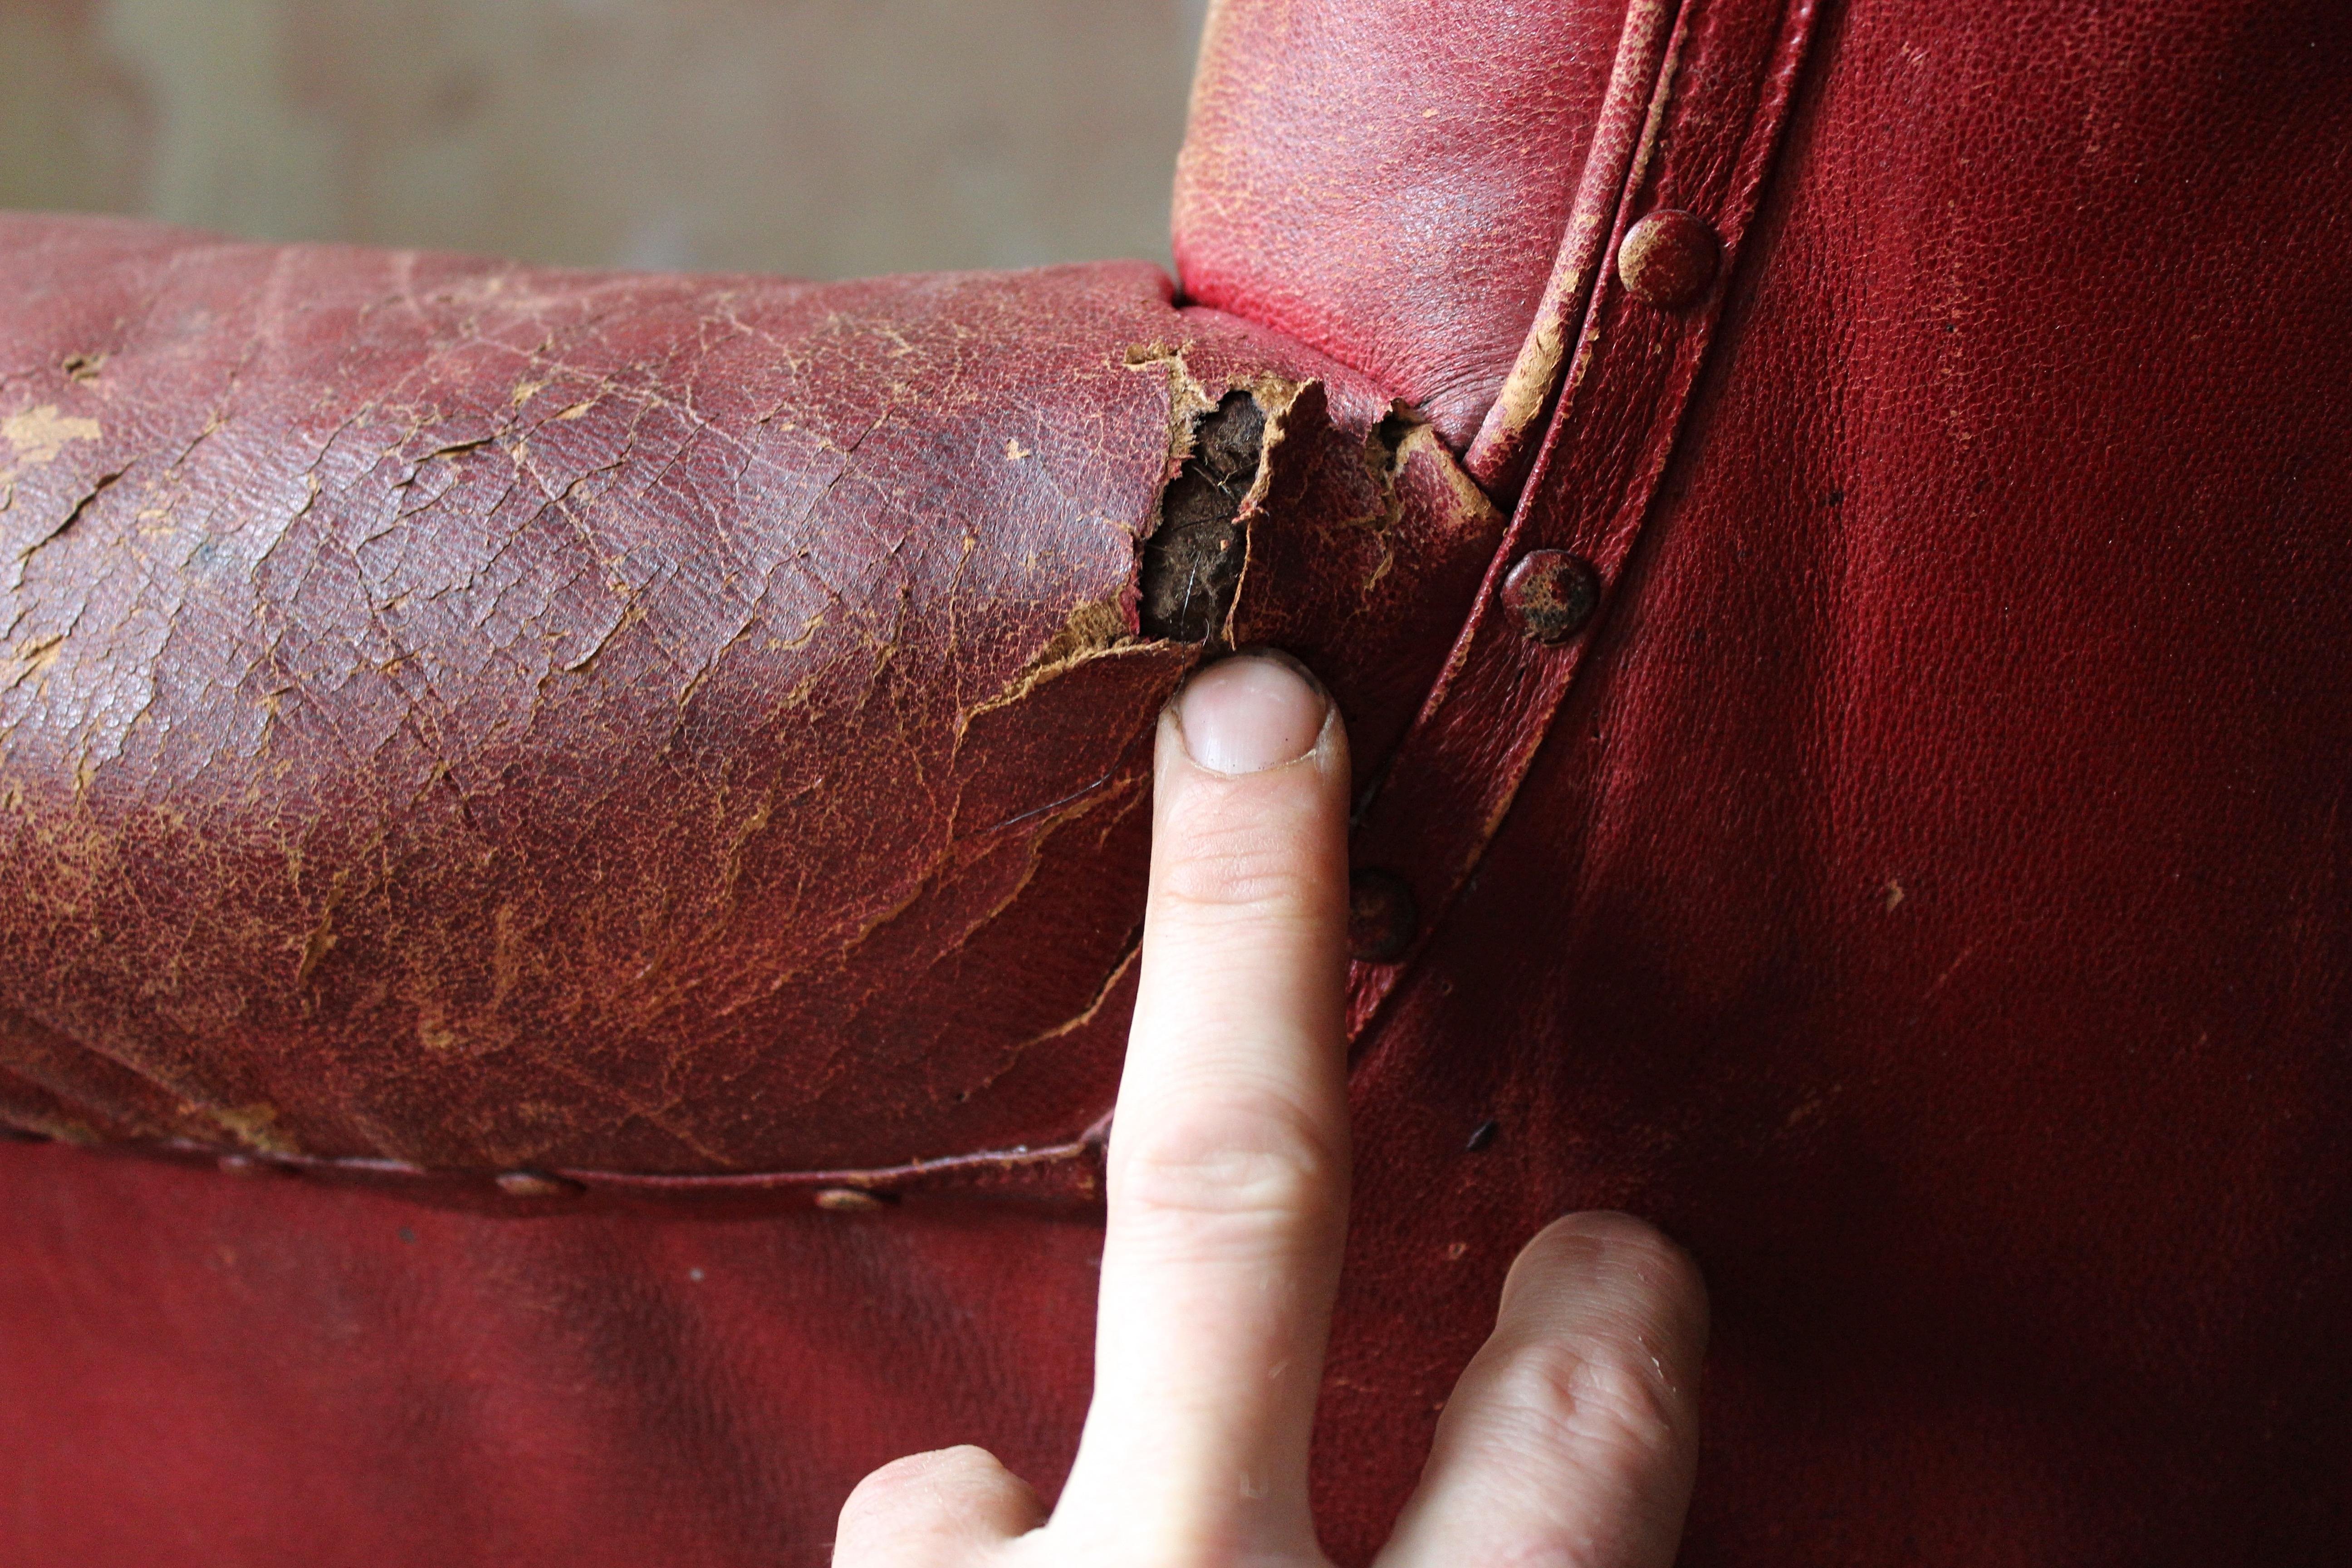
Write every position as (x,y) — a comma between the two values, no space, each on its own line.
(933,1506)
(1256,710)
(1250,804)
(1618,1258)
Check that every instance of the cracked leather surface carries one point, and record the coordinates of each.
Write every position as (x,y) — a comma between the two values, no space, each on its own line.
(479,717)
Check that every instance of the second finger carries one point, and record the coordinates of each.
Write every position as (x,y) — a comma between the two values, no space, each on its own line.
(1572,1434)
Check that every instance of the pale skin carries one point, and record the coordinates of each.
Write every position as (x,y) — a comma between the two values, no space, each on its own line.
(1572,1437)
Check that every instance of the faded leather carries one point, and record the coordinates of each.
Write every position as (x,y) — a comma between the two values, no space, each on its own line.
(1922,889)
(482,718)
(1389,181)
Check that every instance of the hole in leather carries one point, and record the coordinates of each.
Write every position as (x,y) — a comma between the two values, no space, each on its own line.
(1192,561)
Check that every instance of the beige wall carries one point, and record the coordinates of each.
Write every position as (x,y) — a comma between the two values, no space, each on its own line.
(821,138)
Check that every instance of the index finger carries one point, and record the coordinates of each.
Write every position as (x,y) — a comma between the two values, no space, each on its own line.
(1228,1158)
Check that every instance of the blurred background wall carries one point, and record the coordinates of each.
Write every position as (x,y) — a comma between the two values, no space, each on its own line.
(816,138)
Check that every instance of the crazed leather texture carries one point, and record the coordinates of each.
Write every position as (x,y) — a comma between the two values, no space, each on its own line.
(1922,888)
(468,716)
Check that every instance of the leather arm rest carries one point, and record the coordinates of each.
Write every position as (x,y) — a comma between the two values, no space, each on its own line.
(467,715)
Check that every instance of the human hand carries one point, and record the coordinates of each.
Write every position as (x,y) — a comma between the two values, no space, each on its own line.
(1572,1437)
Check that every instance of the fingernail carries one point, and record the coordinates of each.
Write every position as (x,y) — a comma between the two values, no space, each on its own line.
(1250,712)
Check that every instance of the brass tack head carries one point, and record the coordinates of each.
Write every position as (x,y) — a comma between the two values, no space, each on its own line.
(1668,259)
(1552,593)
(1383,918)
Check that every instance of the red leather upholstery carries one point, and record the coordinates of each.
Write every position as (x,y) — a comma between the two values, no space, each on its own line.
(1921,888)
(1388,179)
(479,717)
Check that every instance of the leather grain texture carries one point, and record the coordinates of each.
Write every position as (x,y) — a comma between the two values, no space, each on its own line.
(1922,888)
(1387,179)
(470,716)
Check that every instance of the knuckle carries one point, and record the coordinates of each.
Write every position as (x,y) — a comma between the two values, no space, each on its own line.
(1234,1164)
(1245,868)
(1601,1399)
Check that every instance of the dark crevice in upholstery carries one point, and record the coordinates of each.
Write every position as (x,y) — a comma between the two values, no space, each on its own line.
(1192,561)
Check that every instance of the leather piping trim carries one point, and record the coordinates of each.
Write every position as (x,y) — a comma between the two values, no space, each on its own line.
(1498,455)
(1724,85)
(1065,1176)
